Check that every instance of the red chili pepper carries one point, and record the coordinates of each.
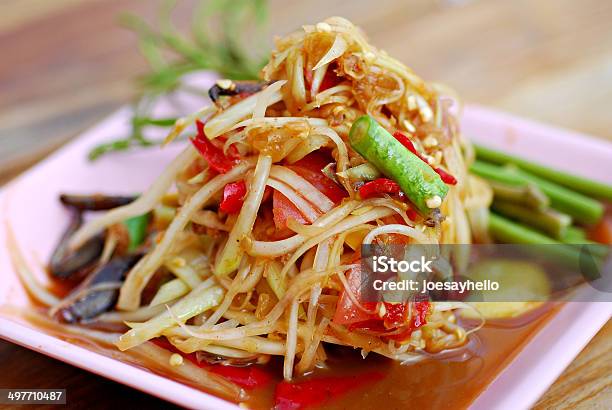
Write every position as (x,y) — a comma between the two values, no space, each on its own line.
(233,197)
(405,141)
(330,79)
(316,391)
(328,187)
(310,168)
(419,318)
(412,214)
(446,177)
(396,315)
(250,377)
(378,186)
(422,310)
(215,157)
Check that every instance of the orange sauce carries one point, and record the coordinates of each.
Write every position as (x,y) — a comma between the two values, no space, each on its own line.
(431,384)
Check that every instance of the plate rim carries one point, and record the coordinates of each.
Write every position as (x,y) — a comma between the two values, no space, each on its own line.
(520,391)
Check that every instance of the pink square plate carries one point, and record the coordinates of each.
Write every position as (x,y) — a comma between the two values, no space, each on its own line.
(29,204)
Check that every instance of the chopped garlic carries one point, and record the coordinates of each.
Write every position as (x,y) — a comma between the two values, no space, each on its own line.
(434,202)
(412,102)
(430,141)
(178,262)
(198,178)
(324,27)
(409,127)
(176,360)
(225,84)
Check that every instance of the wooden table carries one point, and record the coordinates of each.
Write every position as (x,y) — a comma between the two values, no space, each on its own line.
(66,65)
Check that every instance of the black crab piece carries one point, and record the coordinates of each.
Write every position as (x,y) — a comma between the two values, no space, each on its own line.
(86,302)
(229,88)
(96,202)
(69,264)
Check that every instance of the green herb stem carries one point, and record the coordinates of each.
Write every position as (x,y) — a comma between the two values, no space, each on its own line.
(217,31)
(137,230)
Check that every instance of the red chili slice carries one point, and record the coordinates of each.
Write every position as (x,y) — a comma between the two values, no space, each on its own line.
(215,157)
(233,197)
(419,318)
(396,315)
(316,391)
(446,177)
(377,187)
(328,187)
(330,79)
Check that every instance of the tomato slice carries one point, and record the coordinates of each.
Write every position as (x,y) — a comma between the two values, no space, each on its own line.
(308,168)
(283,209)
(396,314)
(347,312)
(328,187)
(315,161)
(330,79)
(602,233)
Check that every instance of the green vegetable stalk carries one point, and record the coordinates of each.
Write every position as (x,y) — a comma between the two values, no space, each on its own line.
(581,208)
(361,173)
(552,222)
(576,183)
(587,258)
(574,235)
(416,178)
(527,195)
(137,230)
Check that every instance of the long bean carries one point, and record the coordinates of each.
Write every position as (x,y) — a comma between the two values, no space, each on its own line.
(570,256)
(574,182)
(417,179)
(581,208)
(551,222)
(528,195)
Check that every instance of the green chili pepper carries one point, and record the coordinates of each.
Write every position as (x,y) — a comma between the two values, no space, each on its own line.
(137,230)
(416,178)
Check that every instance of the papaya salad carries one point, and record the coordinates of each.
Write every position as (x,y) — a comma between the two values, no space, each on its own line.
(246,250)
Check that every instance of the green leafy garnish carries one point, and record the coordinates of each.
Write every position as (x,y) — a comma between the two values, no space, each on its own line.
(215,41)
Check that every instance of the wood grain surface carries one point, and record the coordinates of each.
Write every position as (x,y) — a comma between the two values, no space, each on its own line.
(66,65)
